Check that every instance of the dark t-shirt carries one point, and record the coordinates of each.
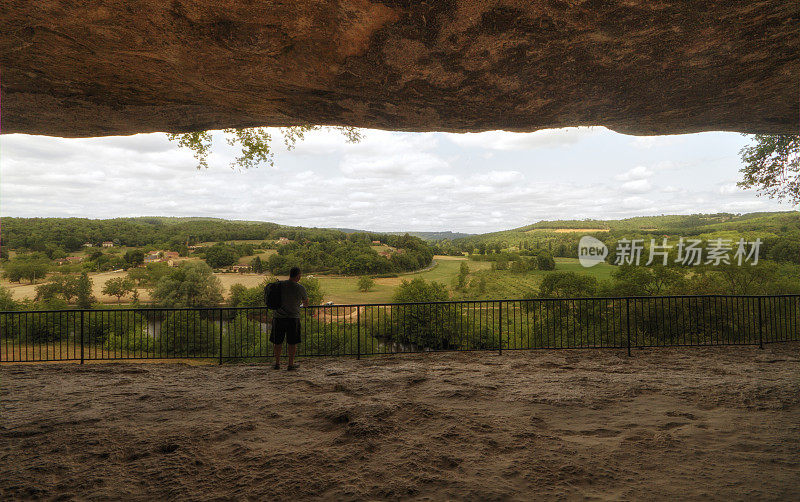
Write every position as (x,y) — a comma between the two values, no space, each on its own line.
(292,296)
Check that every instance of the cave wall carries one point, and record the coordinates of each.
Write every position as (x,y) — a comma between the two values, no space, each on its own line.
(114,67)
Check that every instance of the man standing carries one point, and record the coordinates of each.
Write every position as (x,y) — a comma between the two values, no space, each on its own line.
(286,321)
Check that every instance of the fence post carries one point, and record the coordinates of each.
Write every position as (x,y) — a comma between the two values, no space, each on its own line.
(500,334)
(220,333)
(628,322)
(81,336)
(760,326)
(358,332)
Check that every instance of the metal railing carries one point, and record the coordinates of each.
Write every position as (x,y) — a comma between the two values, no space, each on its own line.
(370,329)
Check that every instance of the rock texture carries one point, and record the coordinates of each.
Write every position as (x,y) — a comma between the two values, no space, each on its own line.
(112,67)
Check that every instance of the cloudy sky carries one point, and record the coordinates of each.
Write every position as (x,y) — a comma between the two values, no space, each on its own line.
(389,181)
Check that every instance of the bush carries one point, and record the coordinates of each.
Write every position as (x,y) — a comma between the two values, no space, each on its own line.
(313,289)
(101,326)
(420,291)
(568,285)
(244,337)
(188,333)
(436,327)
(545,261)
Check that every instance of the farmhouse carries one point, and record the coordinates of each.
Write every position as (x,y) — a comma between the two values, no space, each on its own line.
(282,241)
(108,244)
(69,260)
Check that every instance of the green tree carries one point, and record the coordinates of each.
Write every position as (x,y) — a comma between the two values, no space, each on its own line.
(48,291)
(242,296)
(221,255)
(134,258)
(83,292)
(192,284)
(630,280)
(257,265)
(733,279)
(545,261)
(62,286)
(255,143)
(188,333)
(501,263)
(30,267)
(772,166)
(787,251)
(461,280)
(365,284)
(140,276)
(7,302)
(119,287)
(313,289)
(567,285)
(417,290)
(157,270)
(482,285)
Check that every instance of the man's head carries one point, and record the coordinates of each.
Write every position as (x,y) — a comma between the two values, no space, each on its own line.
(294,274)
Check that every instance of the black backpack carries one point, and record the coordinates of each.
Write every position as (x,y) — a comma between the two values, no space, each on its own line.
(272,295)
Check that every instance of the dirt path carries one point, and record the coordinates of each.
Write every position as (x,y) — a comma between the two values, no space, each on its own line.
(666,424)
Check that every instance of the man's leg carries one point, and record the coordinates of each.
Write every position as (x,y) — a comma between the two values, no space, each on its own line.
(292,349)
(276,349)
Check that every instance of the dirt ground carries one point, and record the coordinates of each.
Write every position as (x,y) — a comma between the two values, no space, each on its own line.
(683,423)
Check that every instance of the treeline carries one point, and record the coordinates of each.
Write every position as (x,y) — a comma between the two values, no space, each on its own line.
(70,234)
(353,255)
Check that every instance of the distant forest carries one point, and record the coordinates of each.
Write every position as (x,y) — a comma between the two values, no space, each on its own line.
(314,249)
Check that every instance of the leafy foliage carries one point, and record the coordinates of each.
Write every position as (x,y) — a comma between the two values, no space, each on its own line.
(221,255)
(545,261)
(313,290)
(418,290)
(567,285)
(772,166)
(83,292)
(29,267)
(192,284)
(365,284)
(255,143)
(119,287)
(189,333)
(7,302)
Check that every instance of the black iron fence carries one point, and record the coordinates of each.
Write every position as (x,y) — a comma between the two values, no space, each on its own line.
(369,329)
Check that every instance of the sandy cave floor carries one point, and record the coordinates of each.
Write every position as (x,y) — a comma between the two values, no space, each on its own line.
(710,423)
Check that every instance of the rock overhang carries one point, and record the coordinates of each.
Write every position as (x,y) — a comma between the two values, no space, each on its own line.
(116,67)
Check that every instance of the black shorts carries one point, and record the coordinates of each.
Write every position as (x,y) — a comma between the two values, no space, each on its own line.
(288,328)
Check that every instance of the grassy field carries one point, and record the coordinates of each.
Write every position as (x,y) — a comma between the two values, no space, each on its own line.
(506,284)
(264,255)
(602,270)
(339,289)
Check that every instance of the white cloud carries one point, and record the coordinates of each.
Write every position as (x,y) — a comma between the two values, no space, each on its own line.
(502,140)
(636,173)
(499,178)
(636,186)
